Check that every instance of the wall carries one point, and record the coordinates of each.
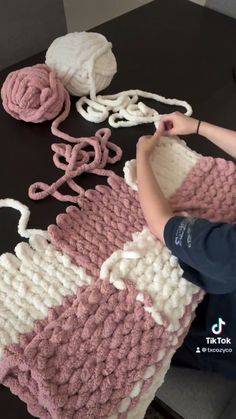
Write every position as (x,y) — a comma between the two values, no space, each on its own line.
(83,15)
(27,27)
(228,7)
(201,2)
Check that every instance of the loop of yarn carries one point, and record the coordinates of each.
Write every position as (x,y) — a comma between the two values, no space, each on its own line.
(125,108)
(83,61)
(35,94)
(78,161)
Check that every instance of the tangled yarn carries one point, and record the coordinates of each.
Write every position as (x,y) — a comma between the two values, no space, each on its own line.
(125,108)
(78,161)
(34,94)
(83,61)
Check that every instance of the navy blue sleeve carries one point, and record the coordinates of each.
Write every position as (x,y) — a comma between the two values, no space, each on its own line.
(209,248)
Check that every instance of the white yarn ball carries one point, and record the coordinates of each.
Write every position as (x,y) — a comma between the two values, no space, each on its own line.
(83,61)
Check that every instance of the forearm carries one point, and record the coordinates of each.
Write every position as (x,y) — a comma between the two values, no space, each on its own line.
(222,137)
(155,206)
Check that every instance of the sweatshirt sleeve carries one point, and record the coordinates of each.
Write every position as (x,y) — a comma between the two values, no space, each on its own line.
(209,248)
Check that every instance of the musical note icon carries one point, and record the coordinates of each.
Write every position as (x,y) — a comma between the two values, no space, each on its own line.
(217,327)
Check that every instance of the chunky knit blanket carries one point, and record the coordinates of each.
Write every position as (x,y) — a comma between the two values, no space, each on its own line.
(92,313)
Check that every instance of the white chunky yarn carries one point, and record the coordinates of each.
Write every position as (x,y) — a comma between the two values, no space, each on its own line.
(24,218)
(125,109)
(83,61)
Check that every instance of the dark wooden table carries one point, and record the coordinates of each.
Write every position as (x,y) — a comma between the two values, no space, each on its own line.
(174,48)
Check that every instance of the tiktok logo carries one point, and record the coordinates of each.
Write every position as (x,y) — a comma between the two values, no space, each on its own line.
(217,327)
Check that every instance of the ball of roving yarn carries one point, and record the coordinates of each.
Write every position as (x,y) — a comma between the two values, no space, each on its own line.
(83,61)
(34,94)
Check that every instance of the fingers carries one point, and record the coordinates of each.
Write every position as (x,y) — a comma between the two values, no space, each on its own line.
(161,127)
(157,134)
(165,126)
(169,123)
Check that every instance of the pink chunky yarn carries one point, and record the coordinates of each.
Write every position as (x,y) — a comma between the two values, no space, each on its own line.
(78,161)
(34,94)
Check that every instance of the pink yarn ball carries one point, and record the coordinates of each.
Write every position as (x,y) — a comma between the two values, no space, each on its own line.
(34,94)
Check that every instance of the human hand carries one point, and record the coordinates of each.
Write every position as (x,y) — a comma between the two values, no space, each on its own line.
(147,143)
(177,123)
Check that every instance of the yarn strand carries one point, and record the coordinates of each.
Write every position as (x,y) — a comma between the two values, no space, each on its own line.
(78,161)
(23,231)
(125,109)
